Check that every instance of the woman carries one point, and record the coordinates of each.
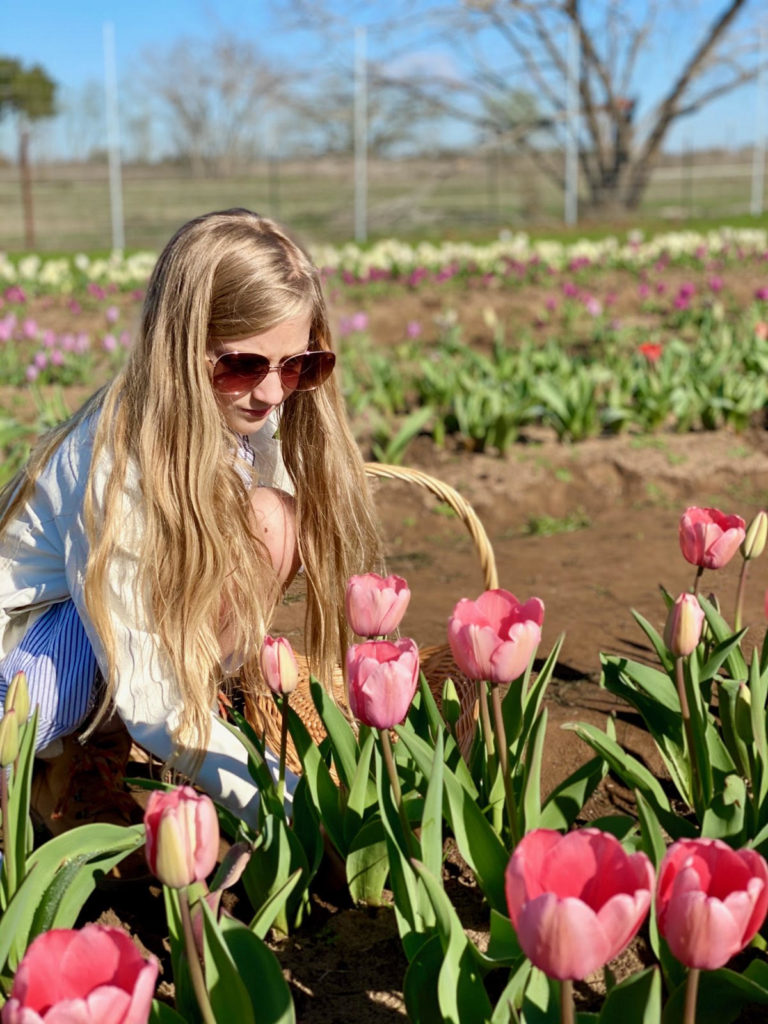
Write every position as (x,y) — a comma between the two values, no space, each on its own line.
(149,538)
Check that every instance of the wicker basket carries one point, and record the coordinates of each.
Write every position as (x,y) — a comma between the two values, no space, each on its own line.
(436,661)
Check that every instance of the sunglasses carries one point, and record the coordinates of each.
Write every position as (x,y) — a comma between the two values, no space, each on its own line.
(234,373)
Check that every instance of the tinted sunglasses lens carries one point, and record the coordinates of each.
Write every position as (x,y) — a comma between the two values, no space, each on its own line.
(239,372)
(307,371)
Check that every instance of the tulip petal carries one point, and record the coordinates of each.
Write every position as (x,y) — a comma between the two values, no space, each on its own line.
(110,1005)
(620,918)
(71,1011)
(14,1013)
(562,937)
(701,932)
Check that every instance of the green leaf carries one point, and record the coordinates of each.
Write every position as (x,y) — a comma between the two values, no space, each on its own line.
(224,979)
(532,775)
(162,1013)
(737,666)
(722,996)
(362,793)
(479,845)
(420,983)
(273,906)
(636,1000)
(460,990)
(569,796)
(261,975)
(652,836)
(503,947)
(432,817)
(325,793)
(270,804)
(512,997)
(340,733)
(20,790)
(724,818)
(270,867)
(82,855)
(367,863)
(635,775)
(662,652)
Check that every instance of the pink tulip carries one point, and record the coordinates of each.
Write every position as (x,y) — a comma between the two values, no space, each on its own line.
(278,665)
(709,538)
(96,975)
(576,901)
(382,675)
(376,604)
(495,637)
(685,620)
(182,836)
(710,900)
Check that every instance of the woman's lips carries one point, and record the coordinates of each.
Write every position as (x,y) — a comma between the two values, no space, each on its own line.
(256,414)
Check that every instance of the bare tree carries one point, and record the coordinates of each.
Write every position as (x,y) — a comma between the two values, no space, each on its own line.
(511,68)
(213,98)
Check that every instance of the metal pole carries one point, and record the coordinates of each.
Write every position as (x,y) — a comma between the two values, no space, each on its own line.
(572,128)
(361,137)
(758,150)
(113,140)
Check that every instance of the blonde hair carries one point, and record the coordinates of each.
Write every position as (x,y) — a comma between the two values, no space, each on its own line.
(223,276)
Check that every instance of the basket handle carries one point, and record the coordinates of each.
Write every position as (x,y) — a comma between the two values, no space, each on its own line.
(459,505)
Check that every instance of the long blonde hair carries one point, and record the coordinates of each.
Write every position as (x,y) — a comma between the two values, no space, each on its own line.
(224,276)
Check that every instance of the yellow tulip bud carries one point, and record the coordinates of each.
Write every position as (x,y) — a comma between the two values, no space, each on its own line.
(753,544)
(17,696)
(9,738)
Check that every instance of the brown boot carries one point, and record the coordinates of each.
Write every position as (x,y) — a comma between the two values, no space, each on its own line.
(84,784)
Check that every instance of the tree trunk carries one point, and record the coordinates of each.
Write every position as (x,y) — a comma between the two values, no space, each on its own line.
(26,184)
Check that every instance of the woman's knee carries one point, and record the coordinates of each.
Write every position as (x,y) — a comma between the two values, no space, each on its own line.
(274,517)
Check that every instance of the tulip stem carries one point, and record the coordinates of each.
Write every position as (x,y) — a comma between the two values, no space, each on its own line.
(566,1001)
(193,960)
(685,713)
(485,718)
(740,595)
(503,751)
(389,761)
(691,992)
(284,707)
(697,579)
(8,854)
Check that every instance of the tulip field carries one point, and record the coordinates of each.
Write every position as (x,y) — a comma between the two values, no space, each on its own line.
(598,851)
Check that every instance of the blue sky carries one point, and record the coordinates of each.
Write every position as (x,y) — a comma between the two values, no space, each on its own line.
(66,37)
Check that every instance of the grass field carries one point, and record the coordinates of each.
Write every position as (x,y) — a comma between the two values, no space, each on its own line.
(449,197)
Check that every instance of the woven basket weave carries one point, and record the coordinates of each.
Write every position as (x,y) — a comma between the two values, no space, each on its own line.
(436,661)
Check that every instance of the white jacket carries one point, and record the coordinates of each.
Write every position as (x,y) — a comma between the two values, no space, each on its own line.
(43,557)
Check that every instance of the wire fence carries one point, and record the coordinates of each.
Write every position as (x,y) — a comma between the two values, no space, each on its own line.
(472,196)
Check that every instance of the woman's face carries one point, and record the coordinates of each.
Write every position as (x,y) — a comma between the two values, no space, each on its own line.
(247,412)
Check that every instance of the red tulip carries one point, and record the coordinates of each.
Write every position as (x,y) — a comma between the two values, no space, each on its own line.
(685,620)
(96,975)
(709,538)
(182,836)
(710,900)
(495,636)
(376,604)
(278,665)
(382,677)
(576,901)
(652,350)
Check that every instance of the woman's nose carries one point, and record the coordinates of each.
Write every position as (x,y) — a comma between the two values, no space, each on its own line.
(270,391)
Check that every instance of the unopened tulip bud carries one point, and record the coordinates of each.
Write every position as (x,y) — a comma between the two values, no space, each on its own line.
(682,631)
(278,665)
(17,696)
(9,738)
(756,536)
(182,832)
(743,714)
(451,702)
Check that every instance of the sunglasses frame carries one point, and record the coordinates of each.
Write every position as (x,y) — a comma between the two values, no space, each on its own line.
(278,367)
